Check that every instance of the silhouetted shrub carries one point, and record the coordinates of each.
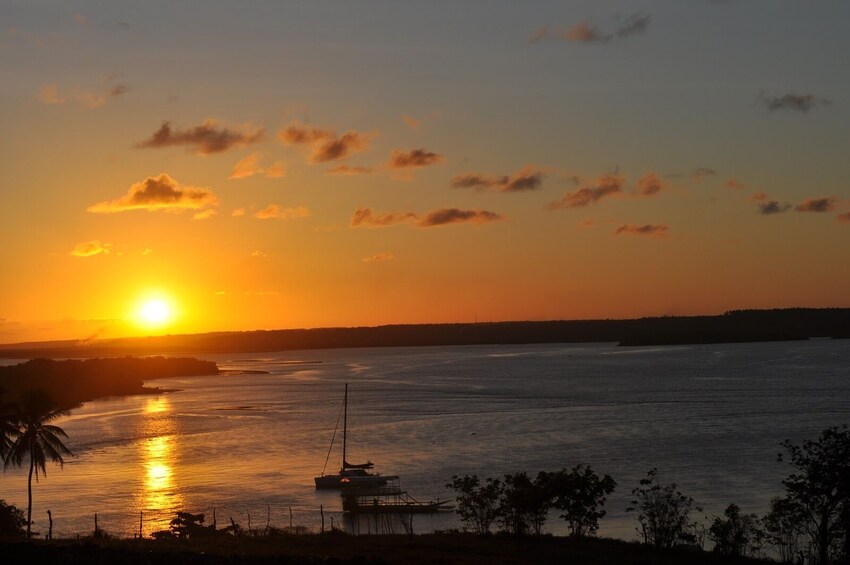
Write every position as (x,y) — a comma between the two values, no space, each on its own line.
(580,494)
(663,512)
(476,503)
(736,535)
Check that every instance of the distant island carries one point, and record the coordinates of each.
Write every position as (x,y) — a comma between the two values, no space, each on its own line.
(732,327)
(72,382)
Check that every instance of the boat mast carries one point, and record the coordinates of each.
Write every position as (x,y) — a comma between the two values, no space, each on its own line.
(344,425)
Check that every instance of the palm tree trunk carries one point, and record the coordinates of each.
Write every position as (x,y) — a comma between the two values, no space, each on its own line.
(29,499)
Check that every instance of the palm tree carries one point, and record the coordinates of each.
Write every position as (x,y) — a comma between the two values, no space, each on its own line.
(35,437)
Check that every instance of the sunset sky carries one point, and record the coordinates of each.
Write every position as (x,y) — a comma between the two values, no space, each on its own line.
(170,167)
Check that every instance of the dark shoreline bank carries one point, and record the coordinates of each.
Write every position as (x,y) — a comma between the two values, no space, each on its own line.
(336,547)
(733,327)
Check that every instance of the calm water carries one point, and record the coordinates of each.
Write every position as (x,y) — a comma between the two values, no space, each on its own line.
(709,417)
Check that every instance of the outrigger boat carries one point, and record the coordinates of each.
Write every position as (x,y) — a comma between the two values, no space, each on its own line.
(387,499)
(350,474)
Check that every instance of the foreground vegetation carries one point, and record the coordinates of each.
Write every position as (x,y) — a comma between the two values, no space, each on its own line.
(810,524)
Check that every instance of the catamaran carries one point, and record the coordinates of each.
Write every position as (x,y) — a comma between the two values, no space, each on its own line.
(350,474)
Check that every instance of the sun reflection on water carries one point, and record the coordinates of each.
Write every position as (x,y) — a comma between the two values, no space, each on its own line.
(159,495)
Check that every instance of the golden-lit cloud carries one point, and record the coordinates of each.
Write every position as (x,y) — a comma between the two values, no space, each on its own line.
(147,251)
(825,204)
(606,185)
(90,248)
(413,159)
(527,178)
(346,170)
(793,102)
(325,143)
(238,212)
(735,184)
(650,184)
(204,214)
(366,218)
(250,166)
(446,216)
(379,258)
(843,218)
(205,139)
(158,193)
(412,122)
(770,207)
(759,196)
(276,212)
(657,231)
(246,167)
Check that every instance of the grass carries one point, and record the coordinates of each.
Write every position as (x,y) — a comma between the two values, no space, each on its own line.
(338,547)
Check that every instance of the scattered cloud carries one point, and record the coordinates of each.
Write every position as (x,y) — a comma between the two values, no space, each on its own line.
(826,204)
(650,184)
(606,185)
(346,170)
(843,218)
(49,94)
(793,102)
(366,218)
(527,178)
(158,193)
(446,216)
(701,173)
(250,166)
(90,248)
(735,184)
(90,98)
(274,211)
(414,158)
(586,32)
(759,196)
(325,143)
(238,212)
(81,20)
(412,122)
(258,253)
(147,251)
(657,231)
(539,34)
(206,138)
(769,207)
(379,258)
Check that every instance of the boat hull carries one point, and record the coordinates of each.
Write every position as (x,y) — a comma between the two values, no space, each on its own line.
(341,481)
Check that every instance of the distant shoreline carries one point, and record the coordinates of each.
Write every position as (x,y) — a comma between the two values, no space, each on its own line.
(739,326)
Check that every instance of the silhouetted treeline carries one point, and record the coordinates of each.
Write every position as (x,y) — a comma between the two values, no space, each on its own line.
(73,381)
(732,327)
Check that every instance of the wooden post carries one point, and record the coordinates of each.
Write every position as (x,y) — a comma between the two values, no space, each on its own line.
(249,523)
(322,512)
(50,520)
(96,531)
(214,522)
(290,518)
(269,519)
(140,524)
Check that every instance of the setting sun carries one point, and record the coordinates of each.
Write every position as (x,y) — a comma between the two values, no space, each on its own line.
(154,312)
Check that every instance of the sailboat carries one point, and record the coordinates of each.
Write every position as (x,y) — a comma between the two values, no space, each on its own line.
(350,474)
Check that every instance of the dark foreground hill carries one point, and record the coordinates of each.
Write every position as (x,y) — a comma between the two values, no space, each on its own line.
(340,548)
(732,327)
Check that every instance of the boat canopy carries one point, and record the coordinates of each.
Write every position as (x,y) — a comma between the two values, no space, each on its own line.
(367,465)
